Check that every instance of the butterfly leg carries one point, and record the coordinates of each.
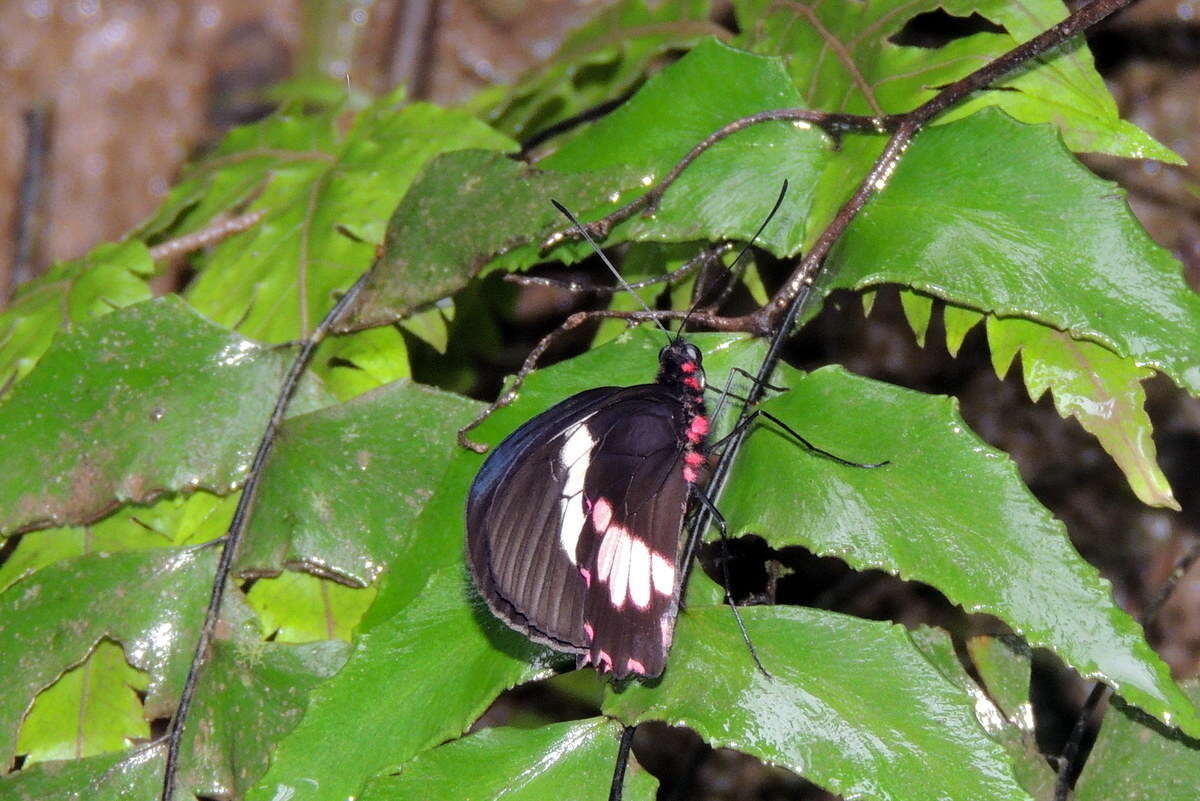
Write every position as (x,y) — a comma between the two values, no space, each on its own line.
(719,520)
(749,419)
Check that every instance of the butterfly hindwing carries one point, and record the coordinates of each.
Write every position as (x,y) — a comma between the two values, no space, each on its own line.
(573,526)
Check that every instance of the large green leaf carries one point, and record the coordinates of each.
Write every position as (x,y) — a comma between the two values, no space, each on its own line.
(844,57)
(947,510)
(598,62)
(572,759)
(148,400)
(275,281)
(111,276)
(106,777)
(850,705)
(343,486)
(151,602)
(91,709)
(1136,759)
(997,216)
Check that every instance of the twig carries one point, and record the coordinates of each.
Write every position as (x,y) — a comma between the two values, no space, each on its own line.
(29,224)
(237,529)
(705,256)
(216,231)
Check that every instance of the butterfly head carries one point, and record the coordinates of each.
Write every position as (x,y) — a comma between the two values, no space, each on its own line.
(680,364)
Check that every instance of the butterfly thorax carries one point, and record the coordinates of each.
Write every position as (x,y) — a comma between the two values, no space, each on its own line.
(681,370)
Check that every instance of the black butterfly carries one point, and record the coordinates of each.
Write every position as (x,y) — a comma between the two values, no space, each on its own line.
(574,521)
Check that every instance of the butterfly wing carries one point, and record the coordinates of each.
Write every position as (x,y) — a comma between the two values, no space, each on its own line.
(573,526)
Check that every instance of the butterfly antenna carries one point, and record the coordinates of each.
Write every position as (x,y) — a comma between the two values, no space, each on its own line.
(745,248)
(584,233)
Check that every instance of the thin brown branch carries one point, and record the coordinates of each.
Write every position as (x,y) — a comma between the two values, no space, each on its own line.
(216,231)
(705,256)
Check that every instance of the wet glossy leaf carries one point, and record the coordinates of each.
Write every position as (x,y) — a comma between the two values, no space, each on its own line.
(275,281)
(1136,758)
(111,276)
(151,602)
(947,510)
(961,220)
(1095,386)
(851,705)
(446,229)
(572,759)
(148,400)
(411,682)
(107,777)
(91,709)
(176,520)
(600,61)
(298,607)
(845,57)
(344,485)
(727,191)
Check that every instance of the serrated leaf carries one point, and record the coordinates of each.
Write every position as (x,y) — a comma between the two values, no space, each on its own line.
(947,510)
(599,61)
(151,602)
(411,682)
(572,759)
(1095,386)
(148,400)
(446,229)
(197,518)
(851,705)
(1136,759)
(298,607)
(276,281)
(959,221)
(917,310)
(91,709)
(958,322)
(845,58)
(107,278)
(728,191)
(343,486)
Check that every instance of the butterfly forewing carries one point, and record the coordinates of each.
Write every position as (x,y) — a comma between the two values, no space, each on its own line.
(573,526)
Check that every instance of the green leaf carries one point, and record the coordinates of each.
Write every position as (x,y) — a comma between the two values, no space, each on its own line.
(92,708)
(275,281)
(600,61)
(107,278)
(960,220)
(1095,386)
(851,705)
(1136,759)
(343,486)
(947,510)
(151,602)
(958,322)
(298,607)
(412,681)
(148,400)
(844,58)
(106,777)
(445,229)
(917,310)
(726,192)
(563,759)
(352,364)
(176,520)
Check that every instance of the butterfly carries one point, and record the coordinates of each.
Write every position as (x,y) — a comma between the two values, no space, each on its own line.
(574,521)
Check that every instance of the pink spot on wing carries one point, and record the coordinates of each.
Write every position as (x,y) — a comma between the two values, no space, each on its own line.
(689,475)
(605,661)
(601,514)
(635,666)
(587,576)
(693,458)
(590,632)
